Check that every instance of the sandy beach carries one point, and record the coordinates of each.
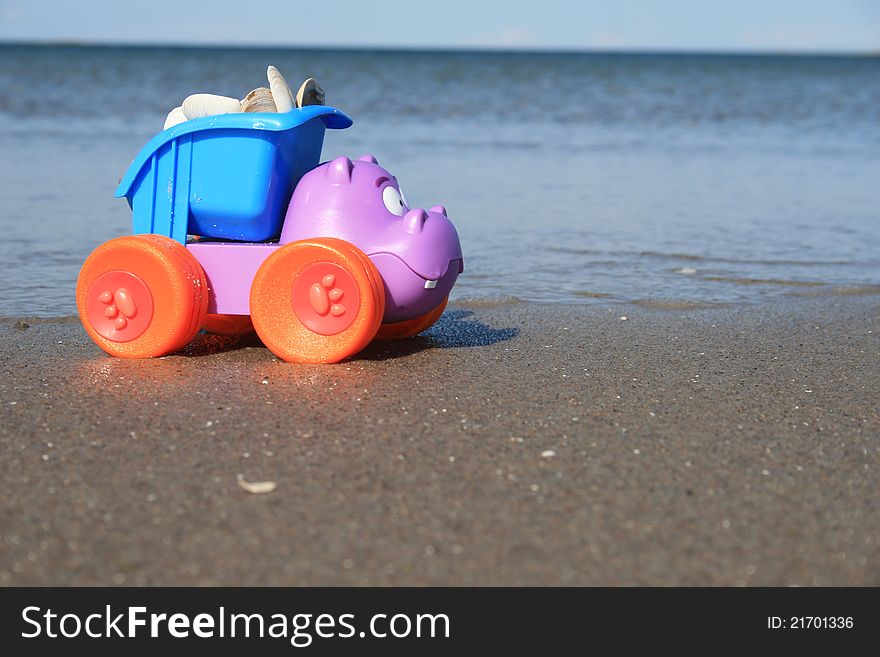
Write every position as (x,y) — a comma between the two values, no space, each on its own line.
(513,444)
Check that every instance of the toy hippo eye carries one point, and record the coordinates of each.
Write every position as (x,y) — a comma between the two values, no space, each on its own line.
(394,201)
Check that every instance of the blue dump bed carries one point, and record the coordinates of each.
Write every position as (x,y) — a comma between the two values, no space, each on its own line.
(228,176)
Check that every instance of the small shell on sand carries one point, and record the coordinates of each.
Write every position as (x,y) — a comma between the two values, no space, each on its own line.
(280,90)
(257,487)
(199,105)
(174,117)
(310,93)
(259,100)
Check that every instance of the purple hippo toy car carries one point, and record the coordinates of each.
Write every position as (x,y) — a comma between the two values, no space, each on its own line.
(253,234)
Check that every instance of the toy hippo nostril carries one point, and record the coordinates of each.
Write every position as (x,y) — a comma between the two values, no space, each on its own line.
(414,220)
(439,209)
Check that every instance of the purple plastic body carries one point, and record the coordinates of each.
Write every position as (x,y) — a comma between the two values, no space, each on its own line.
(230,268)
(416,251)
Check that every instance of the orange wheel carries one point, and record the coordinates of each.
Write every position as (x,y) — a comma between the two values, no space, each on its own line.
(411,327)
(317,301)
(228,324)
(375,277)
(141,296)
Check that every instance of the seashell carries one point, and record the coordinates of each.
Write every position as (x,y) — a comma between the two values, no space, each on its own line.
(259,100)
(199,105)
(257,487)
(310,93)
(280,90)
(174,117)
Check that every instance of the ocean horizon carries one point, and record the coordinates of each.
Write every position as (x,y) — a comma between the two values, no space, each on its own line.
(466,49)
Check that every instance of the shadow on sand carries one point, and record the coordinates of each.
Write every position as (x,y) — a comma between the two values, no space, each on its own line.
(455,329)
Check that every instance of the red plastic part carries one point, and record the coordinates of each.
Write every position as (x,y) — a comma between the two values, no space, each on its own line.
(411,327)
(325,298)
(228,324)
(119,306)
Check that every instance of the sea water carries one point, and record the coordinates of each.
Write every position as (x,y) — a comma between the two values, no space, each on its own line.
(665,180)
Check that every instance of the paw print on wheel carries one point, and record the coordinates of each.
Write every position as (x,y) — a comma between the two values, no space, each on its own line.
(325,298)
(120,307)
(117,304)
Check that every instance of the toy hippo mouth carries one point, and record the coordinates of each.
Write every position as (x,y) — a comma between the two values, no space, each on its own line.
(455,263)
(431,283)
(409,294)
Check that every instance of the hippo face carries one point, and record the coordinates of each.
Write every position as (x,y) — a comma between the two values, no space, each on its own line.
(416,251)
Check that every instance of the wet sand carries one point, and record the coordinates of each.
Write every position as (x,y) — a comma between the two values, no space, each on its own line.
(514,444)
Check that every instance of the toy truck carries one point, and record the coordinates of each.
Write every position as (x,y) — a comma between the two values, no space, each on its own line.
(237,227)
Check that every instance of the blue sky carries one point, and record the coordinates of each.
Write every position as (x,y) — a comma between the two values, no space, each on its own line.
(719,25)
